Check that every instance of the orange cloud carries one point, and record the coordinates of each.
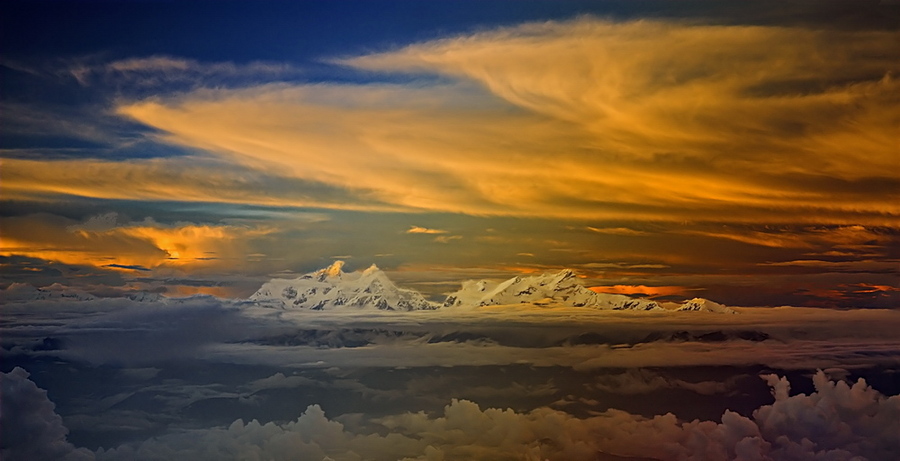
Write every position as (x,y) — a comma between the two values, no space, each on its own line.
(640,289)
(424,230)
(870,288)
(194,179)
(615,230)
(146,244)
(585,119)
(853,237)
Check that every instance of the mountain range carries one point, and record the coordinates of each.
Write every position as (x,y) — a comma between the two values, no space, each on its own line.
(332,288)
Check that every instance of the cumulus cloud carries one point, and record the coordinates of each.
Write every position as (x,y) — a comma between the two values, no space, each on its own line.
(29,426)
(838,421)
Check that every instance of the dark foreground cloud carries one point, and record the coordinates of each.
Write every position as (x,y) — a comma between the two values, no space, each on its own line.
(29,427)
(202,378)
(839,421)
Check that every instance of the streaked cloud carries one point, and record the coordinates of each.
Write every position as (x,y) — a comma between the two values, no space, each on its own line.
(424,230)
(641,289)
(153,71)
(848,238)
(102,242)
(615,230)
(196,179)
(614,126)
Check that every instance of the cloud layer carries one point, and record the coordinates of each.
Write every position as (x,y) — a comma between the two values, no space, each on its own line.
(838,421)
(639,120)
(29,426)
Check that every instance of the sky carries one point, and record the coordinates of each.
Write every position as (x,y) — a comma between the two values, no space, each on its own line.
(748,153)
(161,160)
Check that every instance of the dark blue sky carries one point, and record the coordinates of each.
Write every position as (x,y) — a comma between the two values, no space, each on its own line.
(299,31)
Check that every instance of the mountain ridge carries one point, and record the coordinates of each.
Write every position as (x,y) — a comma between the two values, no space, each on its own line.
(331,288)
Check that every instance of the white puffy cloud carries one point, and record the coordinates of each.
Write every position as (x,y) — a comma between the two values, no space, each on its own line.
(836,422)
(30,429)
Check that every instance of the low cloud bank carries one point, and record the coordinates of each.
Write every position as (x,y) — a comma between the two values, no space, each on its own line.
(839,421)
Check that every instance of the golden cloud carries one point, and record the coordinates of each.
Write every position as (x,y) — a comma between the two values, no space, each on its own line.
(587,119)
(424,230)
(144,244)
(641,289)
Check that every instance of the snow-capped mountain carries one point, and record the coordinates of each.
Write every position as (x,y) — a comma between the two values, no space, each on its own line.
(23,292)
(331,288)
(705,305)
(146,297)
(562,287)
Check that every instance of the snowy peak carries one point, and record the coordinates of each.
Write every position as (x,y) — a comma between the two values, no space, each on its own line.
(23,292)
(705,305)
(331,288)
(562,287)
(334,271)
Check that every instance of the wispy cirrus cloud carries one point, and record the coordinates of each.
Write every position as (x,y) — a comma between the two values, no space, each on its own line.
(641,120)
(157,70)
(655,141)
(615,230)
(614,126)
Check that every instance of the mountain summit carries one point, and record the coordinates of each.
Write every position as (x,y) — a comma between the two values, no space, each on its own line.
(332,288)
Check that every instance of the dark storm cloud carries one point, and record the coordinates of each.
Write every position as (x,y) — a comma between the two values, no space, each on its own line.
(129,267)
(29,426)
(40,273)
